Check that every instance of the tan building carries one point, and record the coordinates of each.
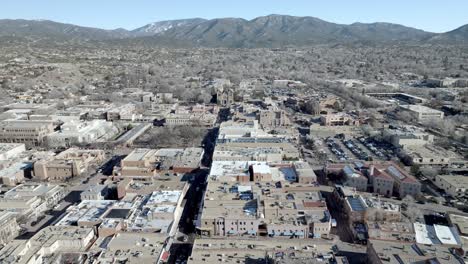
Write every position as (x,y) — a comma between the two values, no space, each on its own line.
(434,155)
(382,182)
(261,172)
(47,243)
(338,120)
(405,184)
(30,133)
(305,173)
(148,162)
(386,178)
(225,96)
(363,209)
(68,164)
(272,119)
(454,185)
(393,231)
(243,210)
(397,252)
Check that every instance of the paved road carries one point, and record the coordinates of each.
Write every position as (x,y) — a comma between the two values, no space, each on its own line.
(181,250)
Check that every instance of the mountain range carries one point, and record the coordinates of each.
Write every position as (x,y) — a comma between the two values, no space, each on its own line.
(265,31)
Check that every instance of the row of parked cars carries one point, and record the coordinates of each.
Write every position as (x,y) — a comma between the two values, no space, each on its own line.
(356,150)
(381,150)
(336,149)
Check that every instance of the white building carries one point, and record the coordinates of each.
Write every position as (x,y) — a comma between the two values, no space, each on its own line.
(422,113)
(76,132)
(11,150)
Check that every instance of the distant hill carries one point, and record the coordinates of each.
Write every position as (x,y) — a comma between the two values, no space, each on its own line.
(266,31)
(159,27)
(279,30)
(50,29)
(459,35)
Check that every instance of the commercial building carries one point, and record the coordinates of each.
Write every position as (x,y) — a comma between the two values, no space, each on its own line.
(388,252)
(338,120)
(70,163)
(405,137)
(404,97)
(437,235)
(190,119)
(132,248)
(156,212)
(272,154)
(11,150)
(305,173)
(249,209)
(434,155)
(249,135)
(77,132)
(363,209)
(50,194)
(95,192)
(9,228)
(350,174)
(391,231)
(30,133)
(241,250)
(454,185)
(270,119)
(13,172)
(422,113)
(386,178)
(148,162)
(48,244)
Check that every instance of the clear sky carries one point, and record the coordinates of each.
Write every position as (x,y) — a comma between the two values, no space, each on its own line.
(429,15)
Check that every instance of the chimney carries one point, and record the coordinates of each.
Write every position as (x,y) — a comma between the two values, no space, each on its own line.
(371,170)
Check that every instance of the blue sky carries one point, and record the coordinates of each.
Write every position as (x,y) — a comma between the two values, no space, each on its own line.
(430,15)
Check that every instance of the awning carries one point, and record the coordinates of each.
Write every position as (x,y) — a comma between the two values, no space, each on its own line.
(271,232)
(287,233)
(232,232)
(251,232)
(299,233)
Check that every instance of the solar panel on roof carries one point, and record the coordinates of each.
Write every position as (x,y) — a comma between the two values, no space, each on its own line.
(395,172)
(358,164)
(348,170)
